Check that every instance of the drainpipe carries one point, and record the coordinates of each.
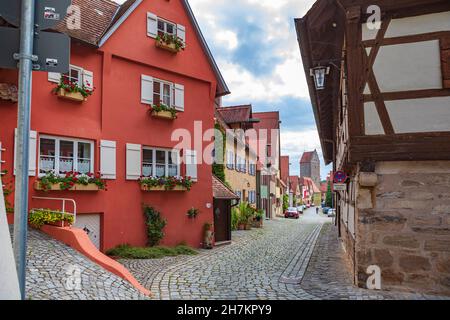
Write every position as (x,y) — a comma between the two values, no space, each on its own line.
(25,58)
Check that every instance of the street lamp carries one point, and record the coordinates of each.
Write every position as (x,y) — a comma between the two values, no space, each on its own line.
(319,73)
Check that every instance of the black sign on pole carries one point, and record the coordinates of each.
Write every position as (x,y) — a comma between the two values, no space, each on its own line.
(53,52)
(51,49)
(47,14)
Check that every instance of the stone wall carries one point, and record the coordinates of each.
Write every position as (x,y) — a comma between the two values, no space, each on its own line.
(404,226)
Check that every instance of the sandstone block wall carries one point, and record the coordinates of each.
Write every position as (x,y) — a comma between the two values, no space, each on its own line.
(403,226)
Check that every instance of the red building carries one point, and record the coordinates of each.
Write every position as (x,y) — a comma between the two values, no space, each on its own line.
(112,132)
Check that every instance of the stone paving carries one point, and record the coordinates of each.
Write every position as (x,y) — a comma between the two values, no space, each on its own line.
(57,272)
(288,259)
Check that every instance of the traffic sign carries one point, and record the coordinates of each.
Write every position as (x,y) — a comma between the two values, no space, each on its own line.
(340,177)
(340,187)
(52,50)
(48,13)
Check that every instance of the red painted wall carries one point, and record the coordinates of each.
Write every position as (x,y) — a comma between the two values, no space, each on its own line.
(114,112)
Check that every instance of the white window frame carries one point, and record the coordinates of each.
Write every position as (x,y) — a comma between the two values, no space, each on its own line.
(166,170)
(231,163)
(80,70)
(57,140)
(166,22)
(161,91)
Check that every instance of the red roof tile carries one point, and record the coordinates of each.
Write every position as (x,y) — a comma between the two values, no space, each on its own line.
(284,168)
(96,18)
(221,191)
(307,156)
(236,114)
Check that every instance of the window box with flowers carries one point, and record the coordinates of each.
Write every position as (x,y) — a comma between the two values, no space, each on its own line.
(165,183)
(39,217)
(71,181)
(163,111)
(170,42)
(71,90)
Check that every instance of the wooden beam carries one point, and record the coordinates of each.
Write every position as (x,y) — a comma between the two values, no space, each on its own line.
(380,104)
(353,34)
(408,39)
(406,95)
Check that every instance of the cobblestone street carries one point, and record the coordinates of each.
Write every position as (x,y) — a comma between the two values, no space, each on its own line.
(288,259)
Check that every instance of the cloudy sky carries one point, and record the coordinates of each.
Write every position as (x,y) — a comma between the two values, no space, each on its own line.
(255,45)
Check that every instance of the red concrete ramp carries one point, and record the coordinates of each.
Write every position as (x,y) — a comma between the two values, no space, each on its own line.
(79,240)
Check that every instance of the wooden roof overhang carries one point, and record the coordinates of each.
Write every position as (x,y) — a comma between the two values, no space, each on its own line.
(321,37)
(315,45)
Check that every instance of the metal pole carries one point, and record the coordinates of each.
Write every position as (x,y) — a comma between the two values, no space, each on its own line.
(23,138)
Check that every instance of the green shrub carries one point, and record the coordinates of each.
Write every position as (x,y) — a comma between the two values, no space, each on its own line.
(234,219)
(155,225)
(128,252)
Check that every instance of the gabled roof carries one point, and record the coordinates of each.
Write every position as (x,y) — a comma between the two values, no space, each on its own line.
(308,156)
(293,180)
(236,114)
(284,168)
(221,191)
(101,18)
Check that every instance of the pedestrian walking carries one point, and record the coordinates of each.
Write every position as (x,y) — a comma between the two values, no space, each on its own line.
(317,210)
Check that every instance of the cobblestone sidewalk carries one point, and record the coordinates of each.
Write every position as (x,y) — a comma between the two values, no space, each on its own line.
(57,272)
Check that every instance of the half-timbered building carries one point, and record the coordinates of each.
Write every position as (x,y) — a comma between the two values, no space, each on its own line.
(380,91)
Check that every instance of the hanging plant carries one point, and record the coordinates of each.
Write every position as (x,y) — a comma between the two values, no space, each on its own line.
(193,213)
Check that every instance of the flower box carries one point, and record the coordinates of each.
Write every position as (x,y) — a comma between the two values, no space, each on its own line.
(76,187)
(163,115)
(162,188)
(74,96)
(171,47)
(61,224)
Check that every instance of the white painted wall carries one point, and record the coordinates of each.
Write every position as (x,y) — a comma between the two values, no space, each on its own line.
(413,25)
(420,115)
(411,66)
(9,283)
(372,120)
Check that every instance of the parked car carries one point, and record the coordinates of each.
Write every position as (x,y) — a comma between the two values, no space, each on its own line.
(308,205)
(292,213)
(325,210)
(300,209)
(331,213)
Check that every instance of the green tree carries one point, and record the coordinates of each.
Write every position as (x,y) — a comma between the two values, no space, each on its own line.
(285,202)
(329,197)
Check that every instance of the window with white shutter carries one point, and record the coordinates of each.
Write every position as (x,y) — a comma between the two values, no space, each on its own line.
(75,75)
(134,159)
(181,32)
(88,79)
(32,153)
(152,25)
(146,89)
(191,164)
(54,77)
(108,159)
(179,97)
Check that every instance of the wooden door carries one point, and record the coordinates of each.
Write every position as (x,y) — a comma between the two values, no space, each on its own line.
(222,220)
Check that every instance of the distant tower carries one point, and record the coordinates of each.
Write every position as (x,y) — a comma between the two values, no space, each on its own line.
(310,166)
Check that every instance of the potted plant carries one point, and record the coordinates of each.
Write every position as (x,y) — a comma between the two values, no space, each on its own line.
(208,242)
(71,90)
(193,213)
(245,216)
(258,218)
(170,42)
(71,181)
(163,111)
(39,217)
(166,183)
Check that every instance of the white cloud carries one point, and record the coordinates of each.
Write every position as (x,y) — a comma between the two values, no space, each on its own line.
(228,38)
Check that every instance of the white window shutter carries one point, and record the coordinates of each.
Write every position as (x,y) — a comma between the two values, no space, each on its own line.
(152,25)
(108,159)
(191,164)
(54,77)
(179,97)
(32,153)
(181,32)
(88,79)
(134,158)
(146,89)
